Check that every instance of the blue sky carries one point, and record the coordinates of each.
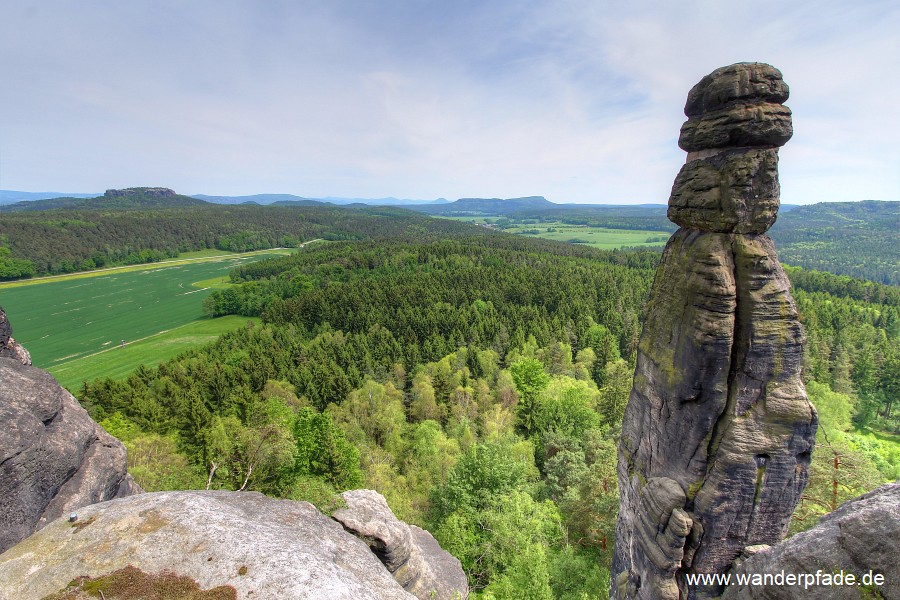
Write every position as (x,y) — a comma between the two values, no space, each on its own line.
(576,100)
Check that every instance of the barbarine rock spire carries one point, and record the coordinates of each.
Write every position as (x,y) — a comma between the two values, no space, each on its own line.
(718,432)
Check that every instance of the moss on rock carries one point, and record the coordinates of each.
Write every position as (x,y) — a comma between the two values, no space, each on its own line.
(130,583)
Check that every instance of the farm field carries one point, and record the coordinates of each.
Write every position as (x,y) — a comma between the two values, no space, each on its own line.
(117,362)
(63,320)
(596,237)
(185,258)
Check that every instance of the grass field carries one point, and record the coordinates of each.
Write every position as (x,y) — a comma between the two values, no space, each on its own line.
(117,362)
(67,319)
(596,237)
(184,258)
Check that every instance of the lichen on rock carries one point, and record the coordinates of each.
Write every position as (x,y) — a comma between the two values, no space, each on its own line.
(718,431)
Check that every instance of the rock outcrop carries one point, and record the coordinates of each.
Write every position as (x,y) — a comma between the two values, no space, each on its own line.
(9,347)
(861,537)
(53,458)
(153,192)
(718,431)
(259,546)
(411,554)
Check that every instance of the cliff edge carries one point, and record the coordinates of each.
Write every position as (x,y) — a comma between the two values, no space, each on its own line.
(54,458)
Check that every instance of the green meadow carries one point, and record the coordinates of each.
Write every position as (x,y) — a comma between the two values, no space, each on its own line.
(79,323)
(118,361)
(596,237)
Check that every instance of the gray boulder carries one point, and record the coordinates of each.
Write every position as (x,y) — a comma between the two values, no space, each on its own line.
(860,537)
(259,546)
(411,554)
(53,458)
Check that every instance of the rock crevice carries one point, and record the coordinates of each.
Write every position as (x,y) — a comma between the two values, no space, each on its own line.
(718,431)
(409,553)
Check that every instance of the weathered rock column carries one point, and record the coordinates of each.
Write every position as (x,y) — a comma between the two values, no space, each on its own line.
(718,431)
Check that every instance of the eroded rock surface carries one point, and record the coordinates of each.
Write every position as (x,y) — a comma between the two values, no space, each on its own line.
(718,432)
(738,105)
(262,547)
(54,458)
(411,554)
(9,347)
(861,536)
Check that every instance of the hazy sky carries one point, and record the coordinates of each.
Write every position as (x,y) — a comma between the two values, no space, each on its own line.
(576,100)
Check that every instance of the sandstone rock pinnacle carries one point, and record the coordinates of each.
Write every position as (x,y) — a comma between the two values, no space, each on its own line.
(718,432)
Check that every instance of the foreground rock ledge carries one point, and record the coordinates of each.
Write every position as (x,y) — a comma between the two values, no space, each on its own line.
(862,535)
(262,547)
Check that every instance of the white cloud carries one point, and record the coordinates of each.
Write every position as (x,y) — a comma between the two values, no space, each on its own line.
(578,100)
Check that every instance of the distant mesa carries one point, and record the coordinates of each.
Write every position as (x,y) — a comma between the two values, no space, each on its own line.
(151,192)
(128,198)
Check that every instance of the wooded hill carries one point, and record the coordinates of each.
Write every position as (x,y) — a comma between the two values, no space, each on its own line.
(62,241)
(465,207)
(859,239)
(127,199)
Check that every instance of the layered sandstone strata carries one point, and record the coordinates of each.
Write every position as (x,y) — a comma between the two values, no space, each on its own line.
(718,432)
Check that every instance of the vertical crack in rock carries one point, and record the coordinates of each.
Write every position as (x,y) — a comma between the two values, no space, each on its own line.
(718,432)
(723,423)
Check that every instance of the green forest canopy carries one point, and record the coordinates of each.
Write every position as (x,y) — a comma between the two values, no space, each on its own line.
(478,383)
(858,239)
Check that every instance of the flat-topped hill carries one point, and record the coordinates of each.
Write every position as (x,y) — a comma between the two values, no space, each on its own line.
(128,198)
